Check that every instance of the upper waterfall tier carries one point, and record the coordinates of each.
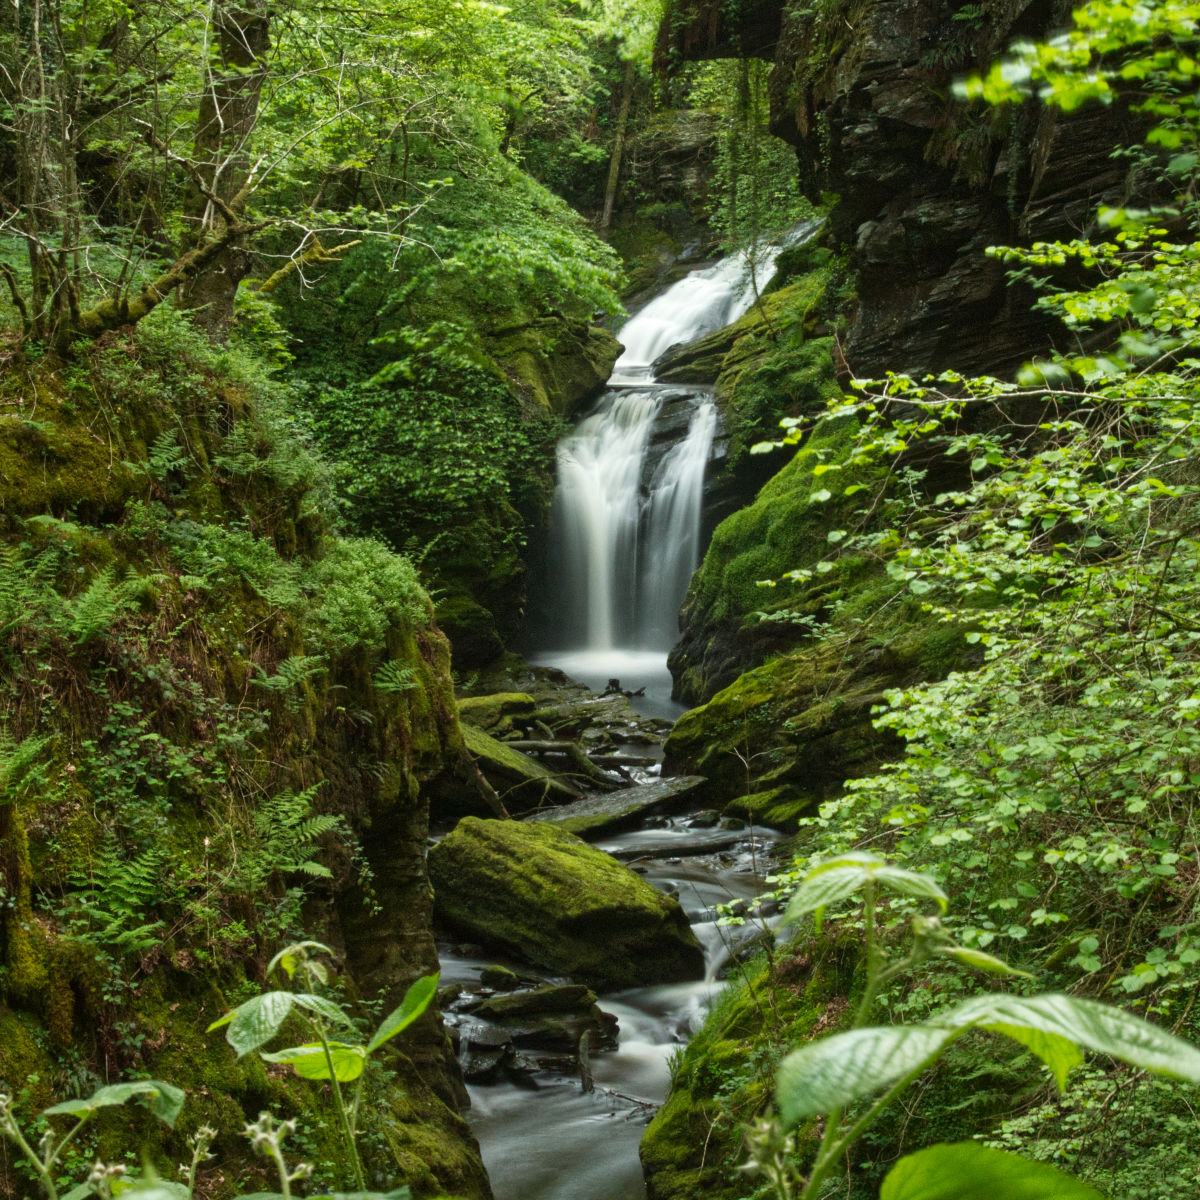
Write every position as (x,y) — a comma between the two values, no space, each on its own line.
(702,302)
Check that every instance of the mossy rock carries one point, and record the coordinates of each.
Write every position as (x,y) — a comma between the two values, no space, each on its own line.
(803,721)
(495,713)
(779,807)
(725,1079)
(558,903)
(514,774)
(471,629)
(731,621)
(555,363)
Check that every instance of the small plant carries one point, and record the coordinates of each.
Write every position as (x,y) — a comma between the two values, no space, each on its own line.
(163,1100)
(254,1023)
(831,1074)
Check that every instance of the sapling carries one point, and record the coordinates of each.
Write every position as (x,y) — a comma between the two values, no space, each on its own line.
(252,1024)
(830,1074)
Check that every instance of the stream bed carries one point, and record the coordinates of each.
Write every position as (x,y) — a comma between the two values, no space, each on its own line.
(543,1136)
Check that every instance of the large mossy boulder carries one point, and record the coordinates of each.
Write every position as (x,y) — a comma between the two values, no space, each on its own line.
(545,895)
(554,362)
(786,735)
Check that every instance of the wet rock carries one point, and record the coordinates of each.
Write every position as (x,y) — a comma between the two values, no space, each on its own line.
(553,998)
(500,978)
(543,894)
(495,713)
(625,809)
(514,774)
(704,820)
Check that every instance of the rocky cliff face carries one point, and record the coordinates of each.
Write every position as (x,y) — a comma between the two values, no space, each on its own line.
(925,182)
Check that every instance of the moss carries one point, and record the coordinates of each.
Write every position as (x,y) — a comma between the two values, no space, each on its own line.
(23,1063)
(724,1078)
(779,807)
(550,898)
(495,713)
(471,629)
(803,721)
(554,362)
(513,773)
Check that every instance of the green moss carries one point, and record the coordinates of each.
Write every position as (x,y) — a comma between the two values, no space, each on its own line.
(555,363)
(800,725)
(495,713)
(512,772)
(557,902)
(784,529)
(724,1078)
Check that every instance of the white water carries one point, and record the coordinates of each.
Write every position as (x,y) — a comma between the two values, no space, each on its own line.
(552,1140)
(625,533)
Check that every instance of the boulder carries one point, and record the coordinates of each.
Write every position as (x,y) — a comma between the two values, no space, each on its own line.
(594,815)
(495,713)
(514,774)
(543,894)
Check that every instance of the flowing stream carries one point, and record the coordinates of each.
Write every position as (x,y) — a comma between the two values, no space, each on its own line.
(549,1139)
(625,539)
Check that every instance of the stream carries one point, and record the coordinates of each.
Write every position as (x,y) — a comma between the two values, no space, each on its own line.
(549,1139)
(625,539)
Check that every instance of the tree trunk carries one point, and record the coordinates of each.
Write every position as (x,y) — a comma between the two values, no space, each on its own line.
(614,165)
(227,116)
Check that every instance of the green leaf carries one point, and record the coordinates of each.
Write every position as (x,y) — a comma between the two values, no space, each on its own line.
(165,1100)
(290,957)
(256,1022)
(832,1071)
(982,961)
(416,1000)
(840,877)
(1102,1028)
(309,1062)
(150,1189)
(400,1193)
(969,1171)
(325,1008)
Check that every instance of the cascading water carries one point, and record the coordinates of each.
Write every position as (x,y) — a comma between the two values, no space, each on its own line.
(626,518)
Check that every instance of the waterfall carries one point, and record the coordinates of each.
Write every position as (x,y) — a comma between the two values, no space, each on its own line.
(625,520)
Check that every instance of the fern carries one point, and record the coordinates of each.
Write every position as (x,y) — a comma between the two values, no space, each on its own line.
(97,608)
(291,674)
(393,677)
(166,455)
(288,832)
(116,897)
(21,766)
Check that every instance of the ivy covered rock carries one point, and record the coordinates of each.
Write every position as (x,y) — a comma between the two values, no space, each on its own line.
(557,364)
(543,894)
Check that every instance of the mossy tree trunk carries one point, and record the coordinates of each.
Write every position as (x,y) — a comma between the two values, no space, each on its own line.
(223,174)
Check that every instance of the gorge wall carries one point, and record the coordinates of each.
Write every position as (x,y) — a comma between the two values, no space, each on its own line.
(924,182)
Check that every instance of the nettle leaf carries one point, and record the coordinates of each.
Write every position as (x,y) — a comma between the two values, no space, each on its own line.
(1102,1028)
(982,961)
(416,1000)
(969,1171)
(833,1071)
(150,1189)
(309,1061)
(841,877)
(290,957)
(164,1100)
(325,1008)
(256,1022)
